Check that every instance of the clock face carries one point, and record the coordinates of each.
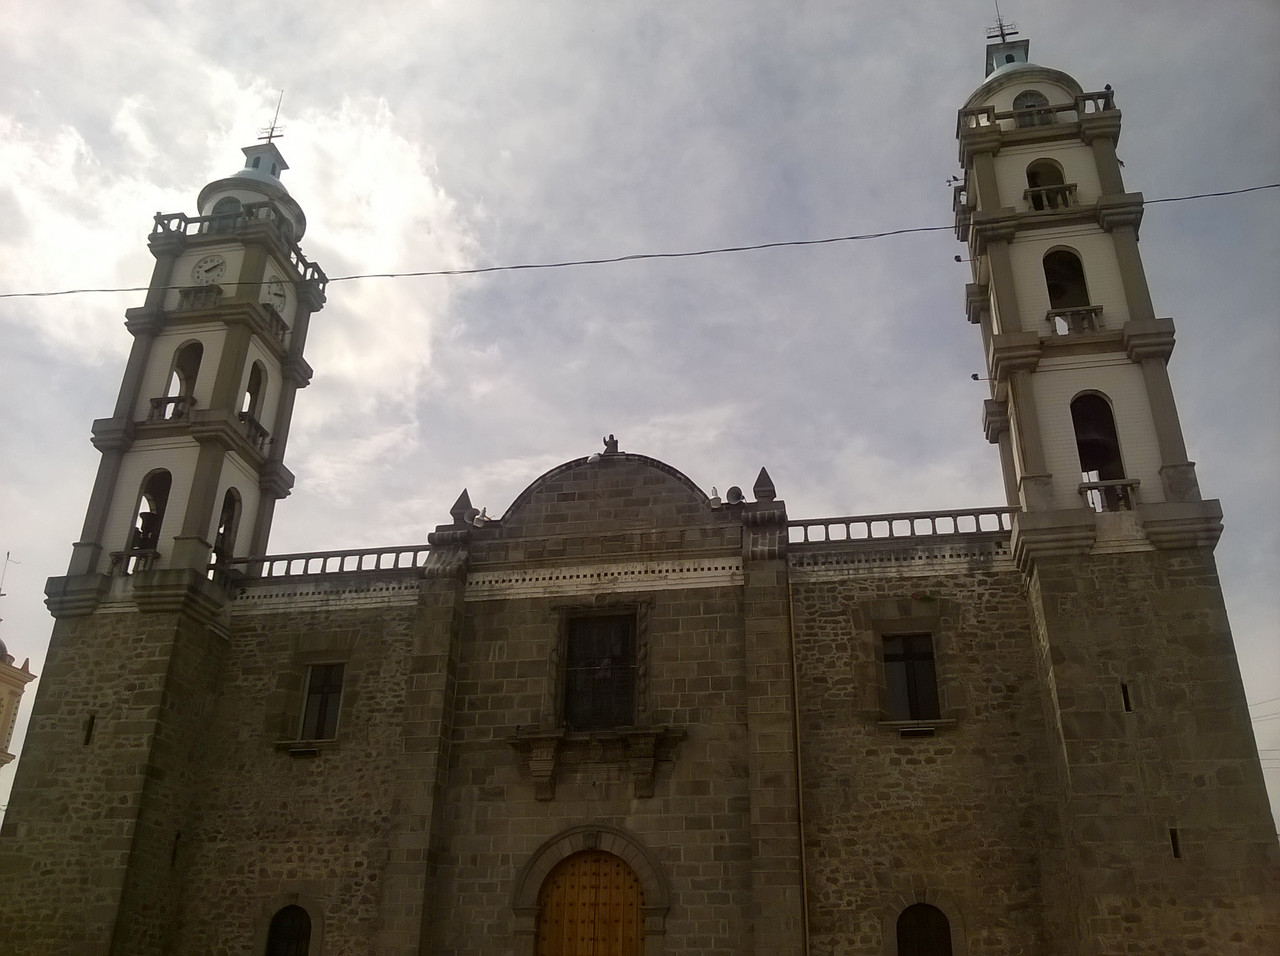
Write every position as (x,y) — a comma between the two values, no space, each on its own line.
(209,270)
(276,294)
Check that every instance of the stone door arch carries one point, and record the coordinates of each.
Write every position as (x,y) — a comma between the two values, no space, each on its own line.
(615,864)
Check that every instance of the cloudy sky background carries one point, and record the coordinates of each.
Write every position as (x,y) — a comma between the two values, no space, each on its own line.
(451,135)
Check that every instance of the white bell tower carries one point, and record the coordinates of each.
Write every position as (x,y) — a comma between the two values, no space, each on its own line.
(193,456)
(1080,405)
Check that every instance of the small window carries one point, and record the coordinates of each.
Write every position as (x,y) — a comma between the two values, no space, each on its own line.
(182,381)
(923,930)
(290,933)
(251,403)
(911,686)
(1064,278)
(1032,109)
(1046,187)
(1099,448)
(257,161)
(324,698)
(224,539)
(600,672)
(150,514)
(225,212)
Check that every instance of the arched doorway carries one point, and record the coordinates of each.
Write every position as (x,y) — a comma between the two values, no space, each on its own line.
(290,932)
(590,905)
(923,930)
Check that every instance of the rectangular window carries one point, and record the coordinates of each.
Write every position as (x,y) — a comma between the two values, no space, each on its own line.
(911,683)
(320,709)
(600,672)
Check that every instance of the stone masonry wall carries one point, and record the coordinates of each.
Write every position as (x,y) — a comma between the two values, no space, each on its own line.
(959,819)
(1154,735)
(695,824)
(273,827)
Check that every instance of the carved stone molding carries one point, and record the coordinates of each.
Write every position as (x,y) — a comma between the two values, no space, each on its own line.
(547,753)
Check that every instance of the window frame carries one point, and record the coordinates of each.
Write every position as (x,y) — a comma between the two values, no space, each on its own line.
(322,719)
(912,682)
(591,719)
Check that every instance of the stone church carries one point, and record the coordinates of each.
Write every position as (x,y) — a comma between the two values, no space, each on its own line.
(628,717)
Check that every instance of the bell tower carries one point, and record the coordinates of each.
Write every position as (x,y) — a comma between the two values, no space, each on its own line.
(192,467)
(193,455)
(1158,788)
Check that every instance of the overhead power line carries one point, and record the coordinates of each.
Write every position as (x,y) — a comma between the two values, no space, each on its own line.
(633,257)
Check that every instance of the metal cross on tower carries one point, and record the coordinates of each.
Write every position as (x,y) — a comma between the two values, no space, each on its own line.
(269,133)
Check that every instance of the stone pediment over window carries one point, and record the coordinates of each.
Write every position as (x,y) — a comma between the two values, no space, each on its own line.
(635,750)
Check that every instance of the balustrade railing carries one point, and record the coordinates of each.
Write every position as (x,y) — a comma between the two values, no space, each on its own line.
(1086,104)
(253,430)
(199,297)
(231,223)
(1118,494)
(171,408)
(1074,321)
(905,525)
(304,563)
(1044,198)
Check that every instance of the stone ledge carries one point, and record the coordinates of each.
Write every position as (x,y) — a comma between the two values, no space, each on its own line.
(639,749)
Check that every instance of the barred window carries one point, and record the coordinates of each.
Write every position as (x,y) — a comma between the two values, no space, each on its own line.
(911,682)
(600,672)
(324,697)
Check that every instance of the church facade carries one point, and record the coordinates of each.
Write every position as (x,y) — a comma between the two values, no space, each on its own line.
(628,717)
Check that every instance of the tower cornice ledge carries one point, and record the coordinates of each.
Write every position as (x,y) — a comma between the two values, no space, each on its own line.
(75,595)
(999,225)
(1104,124)
(1122,210)
(1182,524)
(143,320)
(1148,338)
(112,434)
(183,590)
(1043,534)
(976,299)
(1012,351)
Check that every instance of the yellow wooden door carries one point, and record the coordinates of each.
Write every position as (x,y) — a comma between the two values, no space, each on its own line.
(589,905)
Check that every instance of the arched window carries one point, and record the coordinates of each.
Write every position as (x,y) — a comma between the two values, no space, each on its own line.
(1099,448)
(590,903)
(1064,277)
(923,930)
(1032,109)
(290,932)
(251,404)
(1046,188)
(225,212)
(145,535)
(182,380)
(224,539)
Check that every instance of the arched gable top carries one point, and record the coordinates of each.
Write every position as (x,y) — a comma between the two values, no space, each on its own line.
(657,895)
(613,489)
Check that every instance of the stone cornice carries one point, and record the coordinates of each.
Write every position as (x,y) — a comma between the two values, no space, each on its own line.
(1012,351)
(976,301)
(1104,124)
(143,320)
(181,590)
(75,596)
(995,419)
(1118,211)
(999,225)
(1149,338)
(1182,524)
(1042,534)
(297,372)
(112,434)
(276,480)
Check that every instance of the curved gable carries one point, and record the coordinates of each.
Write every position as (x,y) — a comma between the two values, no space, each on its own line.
(616,491)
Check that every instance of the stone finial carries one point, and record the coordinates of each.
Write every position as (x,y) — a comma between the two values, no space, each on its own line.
(610,445)
(461,508)
(763,488)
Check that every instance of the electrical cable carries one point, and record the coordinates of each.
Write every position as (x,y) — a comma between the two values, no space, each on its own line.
(633,257)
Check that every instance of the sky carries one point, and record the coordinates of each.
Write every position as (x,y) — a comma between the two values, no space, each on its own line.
(426,136)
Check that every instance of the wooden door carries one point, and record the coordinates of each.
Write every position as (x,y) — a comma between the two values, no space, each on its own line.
(589,905)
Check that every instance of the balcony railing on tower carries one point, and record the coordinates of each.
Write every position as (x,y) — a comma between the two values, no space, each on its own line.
(1074,321)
